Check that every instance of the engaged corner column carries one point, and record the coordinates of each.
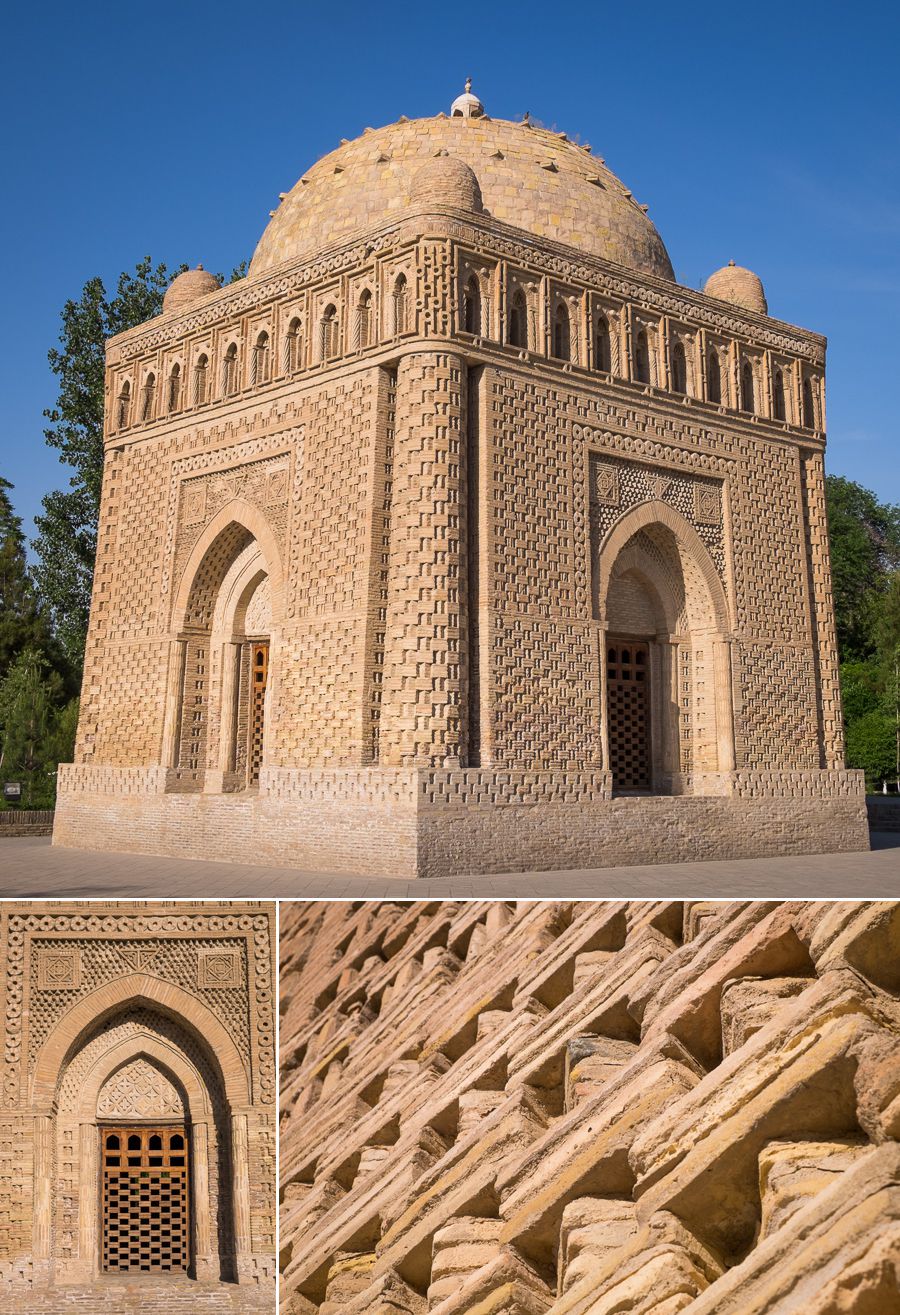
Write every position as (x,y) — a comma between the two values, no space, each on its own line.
(420,722)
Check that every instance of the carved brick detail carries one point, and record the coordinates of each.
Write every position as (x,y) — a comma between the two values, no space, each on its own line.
(219,970)
(59,969)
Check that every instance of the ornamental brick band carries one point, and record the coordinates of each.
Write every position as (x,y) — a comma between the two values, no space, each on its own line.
(458,503)
(579,1108)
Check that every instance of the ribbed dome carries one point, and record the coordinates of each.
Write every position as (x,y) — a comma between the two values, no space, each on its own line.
(529,177)
(738,285)
(187,287)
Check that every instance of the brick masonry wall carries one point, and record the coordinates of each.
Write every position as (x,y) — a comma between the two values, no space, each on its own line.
(433,823)
(25,822)
(884,812)
(577,1108)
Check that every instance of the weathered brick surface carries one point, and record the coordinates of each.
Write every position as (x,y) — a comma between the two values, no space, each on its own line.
(588,1108)
(457,432)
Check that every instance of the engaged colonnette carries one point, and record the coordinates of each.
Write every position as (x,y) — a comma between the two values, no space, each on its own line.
(137,1110)
(459,536)
(590,1108)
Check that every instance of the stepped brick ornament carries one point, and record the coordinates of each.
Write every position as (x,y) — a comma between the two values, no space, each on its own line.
(459,537)
(590,1108)
(137,1107)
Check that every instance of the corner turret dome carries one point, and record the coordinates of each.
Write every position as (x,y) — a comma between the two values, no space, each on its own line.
(187,287)
(529,178)
(738,285)
(446,182)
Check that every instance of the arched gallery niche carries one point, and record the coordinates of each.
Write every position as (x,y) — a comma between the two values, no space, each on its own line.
(666,670)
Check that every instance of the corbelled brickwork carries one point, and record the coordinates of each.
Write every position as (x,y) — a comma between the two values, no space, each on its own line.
(383,523)
(587,1108)
(129,1026)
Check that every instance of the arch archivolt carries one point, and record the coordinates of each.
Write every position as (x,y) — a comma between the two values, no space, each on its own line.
(656,586)
(167,1000)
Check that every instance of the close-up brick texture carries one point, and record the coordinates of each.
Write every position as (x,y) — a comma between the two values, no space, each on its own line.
(585,1108)
(452,525)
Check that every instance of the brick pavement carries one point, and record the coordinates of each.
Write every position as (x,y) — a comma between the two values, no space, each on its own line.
(32,867)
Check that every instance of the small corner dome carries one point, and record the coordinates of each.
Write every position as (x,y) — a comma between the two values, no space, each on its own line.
(467,106)
(187,287)
(447,181)
(739,286)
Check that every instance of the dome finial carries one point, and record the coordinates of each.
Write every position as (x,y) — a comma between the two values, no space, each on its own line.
(467,106)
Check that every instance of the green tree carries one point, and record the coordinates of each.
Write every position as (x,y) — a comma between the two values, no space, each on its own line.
(66,542)
(865,550)
(30,695)
(887,639)
(871,745)
(23,622)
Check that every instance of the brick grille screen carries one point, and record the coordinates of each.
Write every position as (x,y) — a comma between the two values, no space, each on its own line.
(145,1200)
(259,677)
(628,710)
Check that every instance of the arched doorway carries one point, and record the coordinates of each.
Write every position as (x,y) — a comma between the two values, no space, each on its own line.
(142,1177)
(666,673)
(221,688)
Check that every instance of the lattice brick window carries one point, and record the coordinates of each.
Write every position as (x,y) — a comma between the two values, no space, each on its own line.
(145,1200)
(628,713)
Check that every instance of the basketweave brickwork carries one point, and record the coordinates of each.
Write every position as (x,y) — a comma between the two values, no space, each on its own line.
(379,521)
(137,1115)
(586,1108)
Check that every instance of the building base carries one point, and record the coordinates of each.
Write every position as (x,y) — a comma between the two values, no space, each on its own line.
(399,822)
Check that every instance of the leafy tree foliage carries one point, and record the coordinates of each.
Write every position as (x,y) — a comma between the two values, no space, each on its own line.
(865,560)
(23,622)
(865,551)
(38,729)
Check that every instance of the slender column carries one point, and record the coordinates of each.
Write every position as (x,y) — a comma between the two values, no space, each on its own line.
(240,1170)
(88,1200)
(43,1193)
(724,708)
(171,741)
(206,1267)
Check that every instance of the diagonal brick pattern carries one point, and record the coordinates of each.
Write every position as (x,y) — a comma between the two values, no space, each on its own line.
(580,1108)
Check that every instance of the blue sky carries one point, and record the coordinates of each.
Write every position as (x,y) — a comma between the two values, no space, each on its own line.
(768,135)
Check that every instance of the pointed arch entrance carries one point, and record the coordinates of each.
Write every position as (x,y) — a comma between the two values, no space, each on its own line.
(140,1152)
(225,620)
(666,668)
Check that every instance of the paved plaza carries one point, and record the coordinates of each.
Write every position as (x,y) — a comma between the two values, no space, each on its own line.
(32,867)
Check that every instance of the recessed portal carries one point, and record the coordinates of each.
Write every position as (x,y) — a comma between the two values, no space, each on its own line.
(628,706)
(145,1200)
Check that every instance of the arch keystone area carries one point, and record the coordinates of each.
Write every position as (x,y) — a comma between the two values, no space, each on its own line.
(660,513)
(140,989)
(236,512)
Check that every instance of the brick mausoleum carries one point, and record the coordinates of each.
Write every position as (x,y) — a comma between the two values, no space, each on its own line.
(137,1108)
(459,537)
(589,1108)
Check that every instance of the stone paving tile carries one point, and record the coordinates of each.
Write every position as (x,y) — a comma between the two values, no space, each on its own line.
(33,867)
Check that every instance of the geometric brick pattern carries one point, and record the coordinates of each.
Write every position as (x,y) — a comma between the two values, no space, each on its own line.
(579,1108)
(145,1200)
(628,703)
